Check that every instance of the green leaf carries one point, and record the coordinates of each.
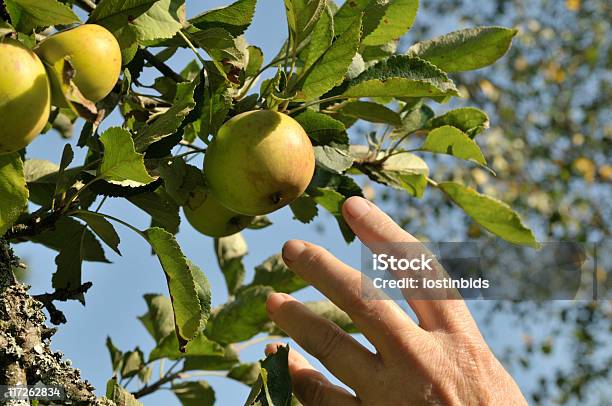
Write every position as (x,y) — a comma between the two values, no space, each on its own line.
(133,362)
(234,18)
(190,313)
(121,164)
(212,362)
(63,236)
(242,318)
(350,12)
(398,18)
(119,9)
(200,346)
(329,138)
(403,171)
(102,228)
(118,16)
(230,251)
(159,319)
(328,311)
(470,120)
(320,40)
(181,180)
(321,128)
(115,354)
(413,120)
(222,46)
(304,209)
(41,178)
(29,14)
(341,183)
(245,373)
(170,121)
(274,273)
(401,76)
(144,375)
(332,201)
(273,386)
(5,28)
(468,49)
(256,59)
(75,244)
(452,141)
(13,190)
(373,112)
(490,213)
(194,393)
(163,210)
(119,395)
(64,182)
(302,16)
(214,112)
(329,70)
(75,249)
(375,53)
(332,158)
(162,20)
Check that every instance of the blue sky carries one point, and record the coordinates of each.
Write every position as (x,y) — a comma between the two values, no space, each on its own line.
(115,300)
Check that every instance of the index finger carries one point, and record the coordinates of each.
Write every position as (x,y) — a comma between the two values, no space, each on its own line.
(383,322)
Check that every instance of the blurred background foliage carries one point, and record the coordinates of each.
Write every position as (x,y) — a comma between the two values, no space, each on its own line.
(549,143)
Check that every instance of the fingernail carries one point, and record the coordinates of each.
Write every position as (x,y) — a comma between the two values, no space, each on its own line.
(271,348)
(357,207)
(293,249)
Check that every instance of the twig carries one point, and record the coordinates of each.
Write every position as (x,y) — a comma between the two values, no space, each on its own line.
(169,376)
(161,66)
(86,5)
(191,146)
(320,101)
(35,224)
(62,295)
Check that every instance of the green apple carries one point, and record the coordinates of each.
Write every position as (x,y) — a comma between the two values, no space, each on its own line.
(209,217)
(258,162)
(94,54)
(25,98)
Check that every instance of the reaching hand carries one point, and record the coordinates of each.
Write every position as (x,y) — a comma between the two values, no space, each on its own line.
(442,360)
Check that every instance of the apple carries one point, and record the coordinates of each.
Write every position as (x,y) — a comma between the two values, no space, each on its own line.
(211,218)
(94,54)
(25,96)
(258,162)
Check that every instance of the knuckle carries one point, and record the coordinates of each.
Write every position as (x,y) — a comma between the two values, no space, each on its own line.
(356,303)
(314,257)
(329,343)
(318,393)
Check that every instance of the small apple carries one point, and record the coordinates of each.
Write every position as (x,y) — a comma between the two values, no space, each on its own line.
(211,218)
(258,162)
(94,54)
(25,96)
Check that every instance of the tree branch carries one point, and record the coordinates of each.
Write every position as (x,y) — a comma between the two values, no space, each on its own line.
(62,295)
(25,354)
(161,66)
(156,385)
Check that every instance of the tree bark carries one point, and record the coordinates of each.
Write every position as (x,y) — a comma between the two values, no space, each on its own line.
(25,353)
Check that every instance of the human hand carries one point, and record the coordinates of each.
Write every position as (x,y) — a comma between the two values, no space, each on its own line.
(442,360)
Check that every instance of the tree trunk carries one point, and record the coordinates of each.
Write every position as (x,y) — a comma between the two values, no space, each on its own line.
(25,353)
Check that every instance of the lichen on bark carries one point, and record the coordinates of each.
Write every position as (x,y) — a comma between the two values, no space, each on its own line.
(25,353)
